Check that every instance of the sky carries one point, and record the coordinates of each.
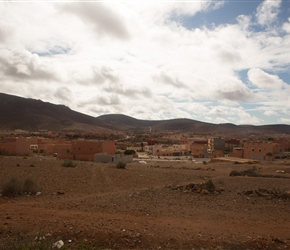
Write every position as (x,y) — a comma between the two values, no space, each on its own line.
(210,60)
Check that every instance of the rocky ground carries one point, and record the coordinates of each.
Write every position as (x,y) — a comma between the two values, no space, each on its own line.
(158,205)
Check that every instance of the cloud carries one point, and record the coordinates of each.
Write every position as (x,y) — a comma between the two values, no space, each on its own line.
(286,26)
(21,65)
(264,80)
(64,94)
(101,100)
(104,19)
(95,75)
(236,115)
(284,120)
(127,92)
(5,34)
(268,11)
(270,113)
(139,58)
(170,80)
(229,55)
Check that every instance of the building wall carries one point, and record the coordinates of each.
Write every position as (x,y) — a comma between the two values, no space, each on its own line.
(184,140)
(148,149)
(16,146)
(8,148)
(23,145)
(159,150)
(84,150)
(198,150)
(62,151)
(105,158)
(258,150)
(237,152)
(122,158)
(108,147)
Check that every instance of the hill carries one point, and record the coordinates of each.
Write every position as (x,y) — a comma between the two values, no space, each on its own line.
(126,123)
(33,115)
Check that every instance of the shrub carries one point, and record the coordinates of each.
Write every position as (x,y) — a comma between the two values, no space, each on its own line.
(30,186)
(68,164)
(129,152)
(15,187)
(12,187)
(209,186)
(204,162)
(121,165)
(248,172)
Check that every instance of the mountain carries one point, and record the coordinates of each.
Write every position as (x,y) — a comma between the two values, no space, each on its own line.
(126,123)
(33,115)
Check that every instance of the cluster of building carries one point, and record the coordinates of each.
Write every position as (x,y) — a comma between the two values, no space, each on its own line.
(203,147)
(105,151)
(83,150)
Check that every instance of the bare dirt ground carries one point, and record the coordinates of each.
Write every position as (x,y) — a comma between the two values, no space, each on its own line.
(147,206)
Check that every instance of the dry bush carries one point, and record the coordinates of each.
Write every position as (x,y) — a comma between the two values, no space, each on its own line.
(121,165)
(248,172)
(14,187)
(68,164)
(30,186)
(209,186)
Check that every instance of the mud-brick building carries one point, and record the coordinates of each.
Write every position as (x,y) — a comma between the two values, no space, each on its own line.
(15,146)
(237,152)
(216,144)
(198,150)
(261,151)
(60,150)
(105,158)
(85,150)
(24,145)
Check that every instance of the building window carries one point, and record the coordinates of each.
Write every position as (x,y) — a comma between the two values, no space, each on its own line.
(253,149)
(260,150)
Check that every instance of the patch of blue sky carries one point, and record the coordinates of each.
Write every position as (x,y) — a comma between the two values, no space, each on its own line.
(243,75)
(284,11)
(58,50)
(250,107)
(285,76)
(227,14)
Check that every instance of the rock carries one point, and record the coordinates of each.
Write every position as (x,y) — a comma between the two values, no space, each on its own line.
(38,193)
(204,191)
(59,244)
(280,171)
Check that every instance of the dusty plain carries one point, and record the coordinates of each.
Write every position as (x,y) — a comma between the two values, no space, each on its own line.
(146,206)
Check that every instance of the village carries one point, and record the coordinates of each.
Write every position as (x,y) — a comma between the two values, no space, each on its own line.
(129,148)
(162,190)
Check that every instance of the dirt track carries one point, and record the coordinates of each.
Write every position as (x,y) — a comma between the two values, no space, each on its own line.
(141,208)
